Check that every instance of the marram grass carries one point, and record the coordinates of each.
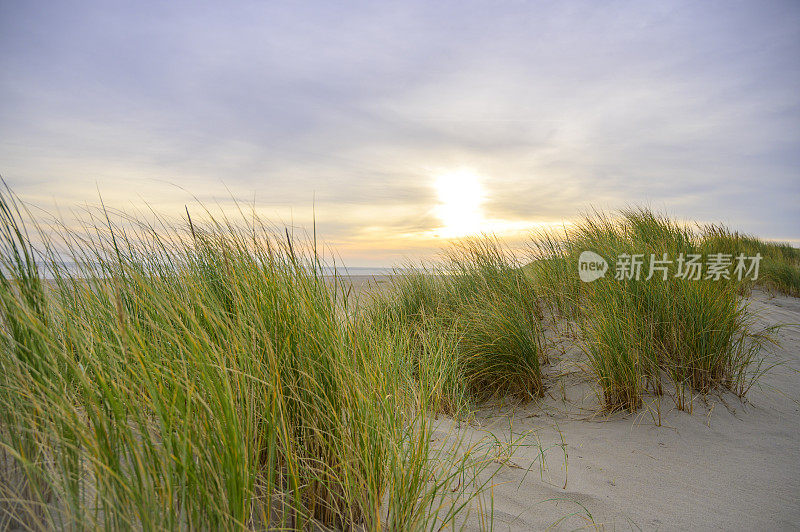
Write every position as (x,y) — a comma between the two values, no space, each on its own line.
(206,377)
(480,301)
(696,334)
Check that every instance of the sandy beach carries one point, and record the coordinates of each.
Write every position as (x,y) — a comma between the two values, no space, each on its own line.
(555,457)
(730,464)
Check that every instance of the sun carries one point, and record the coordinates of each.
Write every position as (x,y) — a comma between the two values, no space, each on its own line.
(460,207)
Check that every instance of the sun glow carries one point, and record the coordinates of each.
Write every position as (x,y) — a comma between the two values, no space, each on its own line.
(460,208)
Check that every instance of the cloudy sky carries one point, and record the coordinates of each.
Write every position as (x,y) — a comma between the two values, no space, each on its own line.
(409,123)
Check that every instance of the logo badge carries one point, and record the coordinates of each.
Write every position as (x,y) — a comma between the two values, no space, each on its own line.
(591,266)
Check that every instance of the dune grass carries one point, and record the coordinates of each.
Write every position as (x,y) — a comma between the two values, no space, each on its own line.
(184,375)
(206,377)
(483,304)
(696,333)
(780,264)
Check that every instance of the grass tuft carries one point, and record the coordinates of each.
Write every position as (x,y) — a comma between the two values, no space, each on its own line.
(205,376)
(484,304)
(695,333)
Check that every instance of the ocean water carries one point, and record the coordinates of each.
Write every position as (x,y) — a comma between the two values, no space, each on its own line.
(362,270)
(73,270)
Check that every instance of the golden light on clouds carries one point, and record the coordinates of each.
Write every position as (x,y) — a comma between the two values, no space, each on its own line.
(462,209)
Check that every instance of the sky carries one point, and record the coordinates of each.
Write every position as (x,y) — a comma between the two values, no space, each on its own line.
(400,126)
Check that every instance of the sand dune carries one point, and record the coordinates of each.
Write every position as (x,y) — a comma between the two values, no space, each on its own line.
(729,465)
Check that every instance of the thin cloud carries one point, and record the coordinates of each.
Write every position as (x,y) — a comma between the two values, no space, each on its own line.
(358,108)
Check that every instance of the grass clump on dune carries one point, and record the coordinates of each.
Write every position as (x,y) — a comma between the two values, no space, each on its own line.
(481,304)
(694,332)
(780,263)
(202,377)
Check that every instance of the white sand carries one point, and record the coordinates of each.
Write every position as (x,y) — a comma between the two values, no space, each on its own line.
(729,465)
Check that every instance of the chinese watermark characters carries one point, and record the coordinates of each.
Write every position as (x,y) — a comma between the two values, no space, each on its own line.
(686,266)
